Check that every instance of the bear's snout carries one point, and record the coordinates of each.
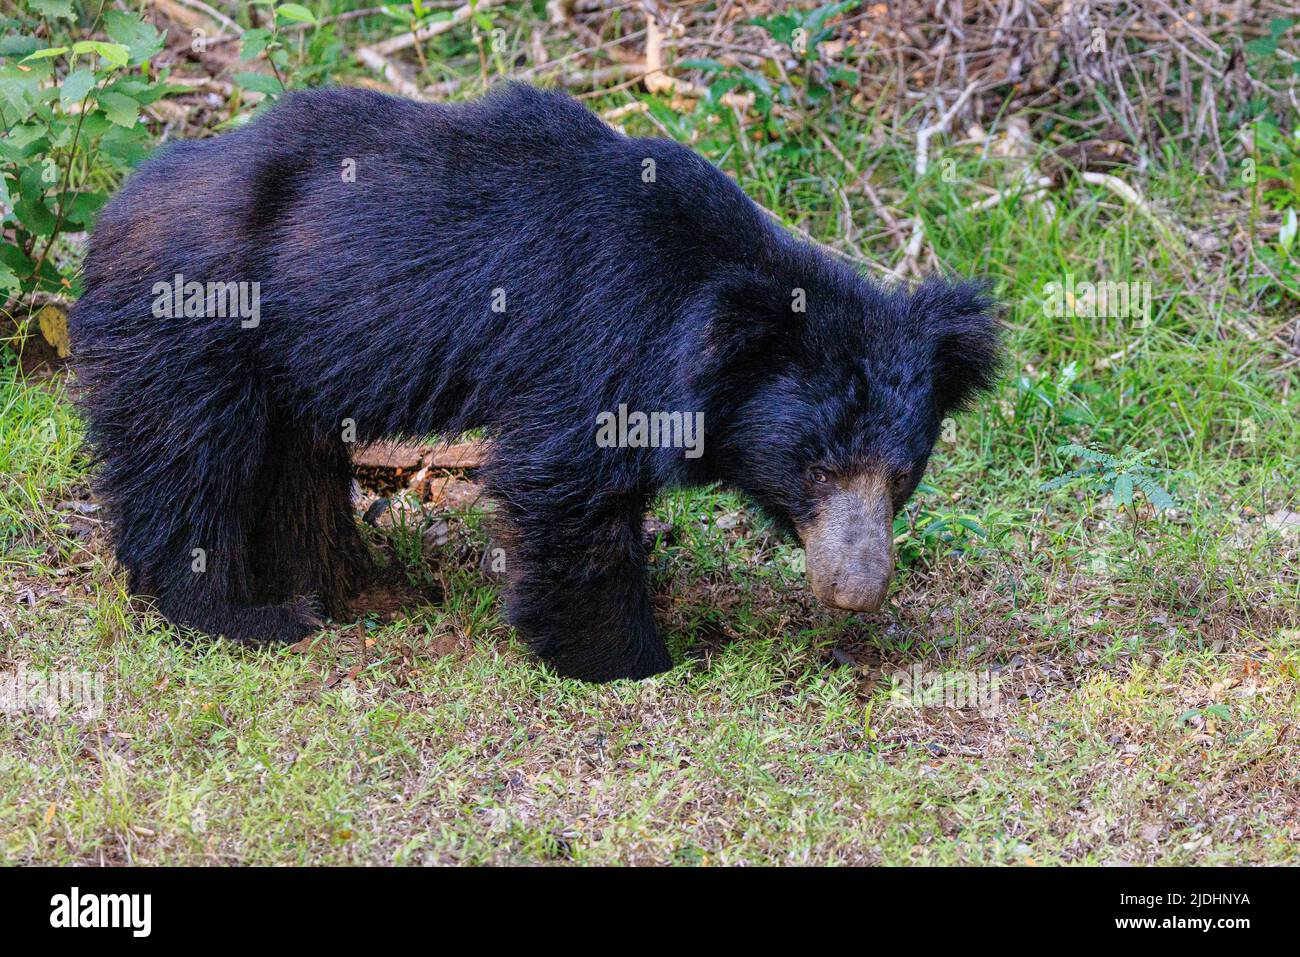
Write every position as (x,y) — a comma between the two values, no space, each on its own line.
(859,586)
(854,582)
(850,546)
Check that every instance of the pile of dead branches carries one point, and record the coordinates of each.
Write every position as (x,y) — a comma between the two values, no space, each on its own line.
(1116,80)
(1150,60)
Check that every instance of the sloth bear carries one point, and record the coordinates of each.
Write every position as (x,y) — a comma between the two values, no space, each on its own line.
(352,266)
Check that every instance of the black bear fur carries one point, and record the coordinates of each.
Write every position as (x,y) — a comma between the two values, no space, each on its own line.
(658,285)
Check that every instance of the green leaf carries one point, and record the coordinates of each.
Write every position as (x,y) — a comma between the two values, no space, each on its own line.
(9,280)
(45,54)
(296,12)
(82,208)
(934,526)
(1156,494)
(1123,491)
(259,83)
(35,216)
(758,83)
(123,147)
(75,87)
(1063,480)
(119,108)
(823,13)
(141,40)
(1262,46)
(95,124)
(37,177)
(1088,455)
(1286,236)
(1280,25)
(254,42)
(130,85)
(114,53)
(21,88)
(781,28)
(24,139)
(52,9)
(15,259)
(18,46)
(720,88)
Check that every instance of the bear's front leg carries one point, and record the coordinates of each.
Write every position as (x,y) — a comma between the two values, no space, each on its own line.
(577,592)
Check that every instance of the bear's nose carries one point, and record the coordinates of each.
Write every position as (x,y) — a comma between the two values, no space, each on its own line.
(849,545)
(855,586)
(857,597)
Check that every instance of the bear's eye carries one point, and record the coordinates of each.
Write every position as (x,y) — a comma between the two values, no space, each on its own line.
(819,475)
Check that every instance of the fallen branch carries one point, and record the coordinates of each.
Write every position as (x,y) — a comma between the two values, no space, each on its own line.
(627,109)
(203,8)
(925,133)
(458,16)
(912,253)
(1027,190)
(658,81)
(389,70)
(463,455)
(426,455)
(1131,196)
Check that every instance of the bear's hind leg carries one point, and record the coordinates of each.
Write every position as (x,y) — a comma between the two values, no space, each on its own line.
(577,591)
(180,514)
(305,541)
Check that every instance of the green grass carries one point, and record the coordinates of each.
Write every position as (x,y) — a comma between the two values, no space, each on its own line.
(1148,668)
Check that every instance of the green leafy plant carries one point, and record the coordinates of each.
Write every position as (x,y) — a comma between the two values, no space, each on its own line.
(71,108)
(920,530)
(799,30)
(421,13)
(1267,46)
(1275,186)
(1059,394)
(1272,171)
(1051,403)
(298,49)
(1119,476)
(803,30)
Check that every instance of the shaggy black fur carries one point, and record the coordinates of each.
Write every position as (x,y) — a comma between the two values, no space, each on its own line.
(670,292)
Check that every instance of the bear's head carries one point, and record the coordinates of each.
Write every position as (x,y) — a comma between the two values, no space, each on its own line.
(826,403)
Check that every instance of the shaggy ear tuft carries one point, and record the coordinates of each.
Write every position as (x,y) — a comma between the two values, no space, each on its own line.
(749,319)
(960,320)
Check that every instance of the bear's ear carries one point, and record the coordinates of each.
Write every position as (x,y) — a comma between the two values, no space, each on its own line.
(748,318)
(960,320)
